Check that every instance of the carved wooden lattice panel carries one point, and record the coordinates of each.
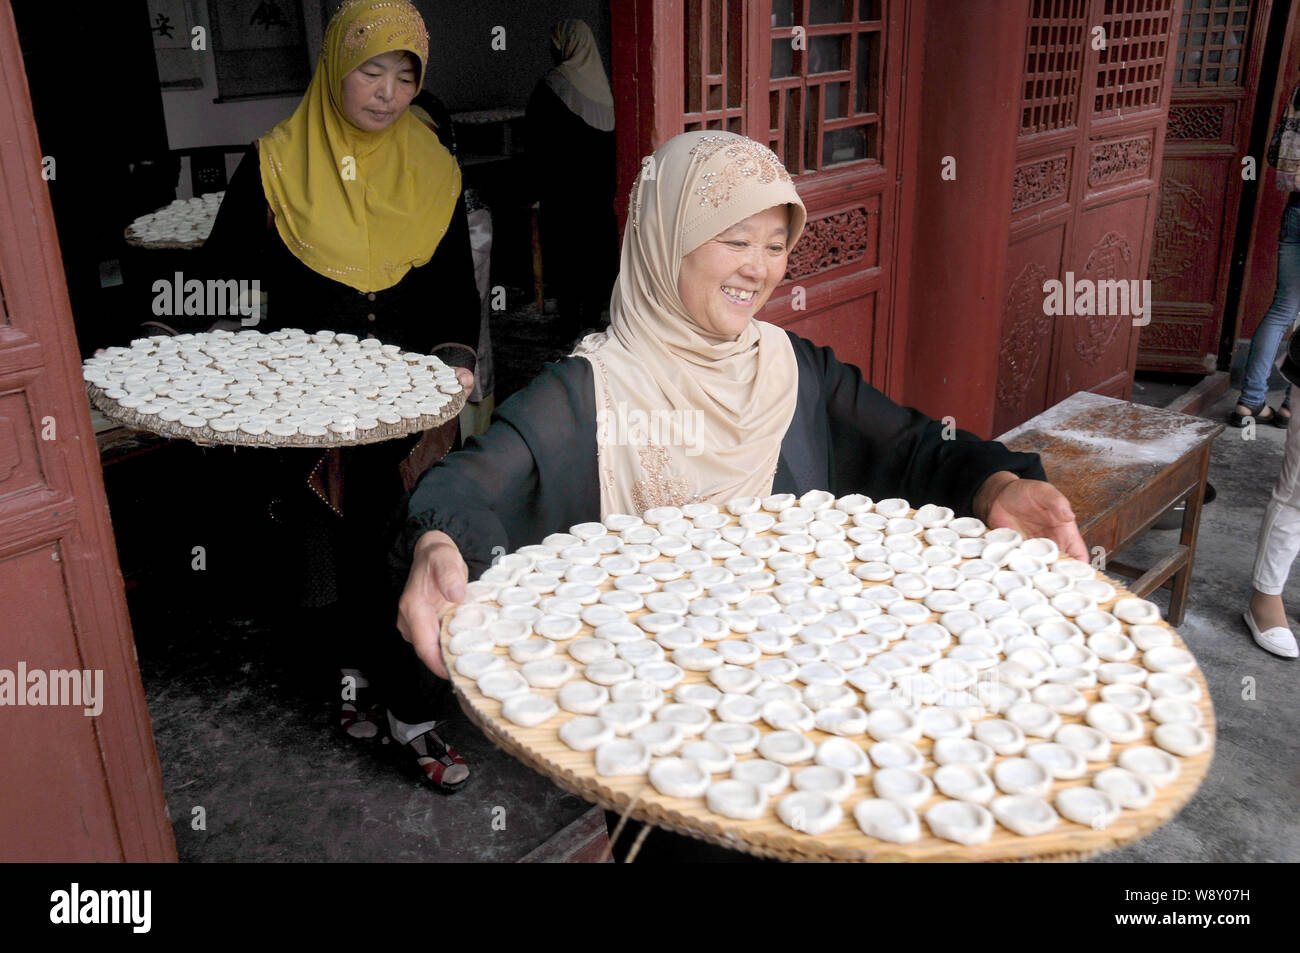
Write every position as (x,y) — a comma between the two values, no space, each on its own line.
(1216,73)
(824,85)
(1054,49)
(813,80)
(1205,121)
(1082,194)
(1131,68)
(715,65)
(1213,36)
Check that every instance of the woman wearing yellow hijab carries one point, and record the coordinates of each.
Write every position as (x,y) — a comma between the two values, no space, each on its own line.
(350,214)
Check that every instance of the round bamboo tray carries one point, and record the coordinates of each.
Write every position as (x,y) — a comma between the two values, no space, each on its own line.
(205,435)
(542,750)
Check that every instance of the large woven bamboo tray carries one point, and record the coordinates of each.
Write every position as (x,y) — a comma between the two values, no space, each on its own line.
(206,436)
(541,749)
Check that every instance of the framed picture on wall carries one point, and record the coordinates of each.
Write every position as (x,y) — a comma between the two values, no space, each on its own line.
(170,23)
(260,48)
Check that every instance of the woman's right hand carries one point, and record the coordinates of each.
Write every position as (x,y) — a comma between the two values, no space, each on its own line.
(436,581)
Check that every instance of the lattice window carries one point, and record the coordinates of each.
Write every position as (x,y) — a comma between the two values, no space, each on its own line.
(715,65)
(1212,39)
(825,82)
(1054,51)
(1130,70)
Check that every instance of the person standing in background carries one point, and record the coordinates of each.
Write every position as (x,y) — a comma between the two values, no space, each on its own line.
(350,214)
(1279,533)
(1284,156)
(570,129)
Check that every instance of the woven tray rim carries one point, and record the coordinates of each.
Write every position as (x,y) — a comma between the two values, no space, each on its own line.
(169,243)
(207,436)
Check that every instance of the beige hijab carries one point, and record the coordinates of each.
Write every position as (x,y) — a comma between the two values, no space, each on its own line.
(580,79)
(683,414)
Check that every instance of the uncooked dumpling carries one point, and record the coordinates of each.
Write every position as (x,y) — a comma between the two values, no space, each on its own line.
(741,800)
(770,777)
(786,747)
(810,812)
(1181,739)
(1024,814)
(843,754)
(622,757)
(1158,767)
(960,821)
(1087,806)
(585,733)
(582,698)
(887,820)
(965,782)
(1128,789)
(903,785)
(528,710)
(834,782)
(679,777)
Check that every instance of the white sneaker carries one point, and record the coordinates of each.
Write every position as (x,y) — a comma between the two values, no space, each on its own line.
(1279,640)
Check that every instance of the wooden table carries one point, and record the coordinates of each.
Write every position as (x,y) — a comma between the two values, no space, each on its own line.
(1122,466)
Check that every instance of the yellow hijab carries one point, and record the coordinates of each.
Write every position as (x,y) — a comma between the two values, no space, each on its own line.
(360,207)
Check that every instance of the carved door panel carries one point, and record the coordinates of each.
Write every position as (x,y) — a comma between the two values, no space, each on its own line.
(77,783)
(1215,74)
(1087,162)
(812,80)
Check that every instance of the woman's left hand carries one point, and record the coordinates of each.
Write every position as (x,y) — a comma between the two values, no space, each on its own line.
(1038,509)
(466,378)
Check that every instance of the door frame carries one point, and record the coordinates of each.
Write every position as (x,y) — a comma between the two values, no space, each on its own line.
(39,353)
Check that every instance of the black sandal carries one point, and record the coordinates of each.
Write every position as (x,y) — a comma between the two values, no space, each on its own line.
(1239,420)
(362,719)
(432,759)
(1278,420)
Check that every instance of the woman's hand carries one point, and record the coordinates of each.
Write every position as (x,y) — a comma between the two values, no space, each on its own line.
(436,581)
(1033,508)
(466,378)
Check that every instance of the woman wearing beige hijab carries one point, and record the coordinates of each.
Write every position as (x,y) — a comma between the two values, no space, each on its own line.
(688,398)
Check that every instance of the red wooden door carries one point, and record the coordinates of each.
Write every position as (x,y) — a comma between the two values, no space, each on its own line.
(1216,74)
(1259,279)
(1083,194)
(72,786)
(816,80)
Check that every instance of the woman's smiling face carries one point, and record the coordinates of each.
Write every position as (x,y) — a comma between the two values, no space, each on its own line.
(728,279)
(377,92)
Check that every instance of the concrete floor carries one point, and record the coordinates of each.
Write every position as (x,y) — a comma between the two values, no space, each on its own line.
(244,731)
(244,728)
(1247,808)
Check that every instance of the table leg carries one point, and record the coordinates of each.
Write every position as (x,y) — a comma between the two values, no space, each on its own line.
(1191,526)
(539,294)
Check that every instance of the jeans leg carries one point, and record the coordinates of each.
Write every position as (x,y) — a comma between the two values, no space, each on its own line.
(1280,315)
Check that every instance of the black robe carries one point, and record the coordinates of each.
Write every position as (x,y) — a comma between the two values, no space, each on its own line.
(534,472)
